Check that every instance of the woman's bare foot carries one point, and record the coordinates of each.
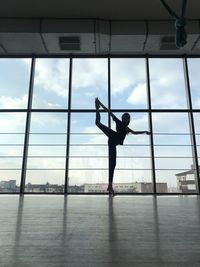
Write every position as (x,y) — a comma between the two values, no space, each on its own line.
(97,105)
(110,189)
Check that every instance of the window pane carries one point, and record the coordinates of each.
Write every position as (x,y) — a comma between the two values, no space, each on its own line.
(133,181)
(172,149)
(88,162)
(88,181)
(167,84)
(193,69)
(51,83)
(14,83)
(11,150)
(89,80)
(128,83)
(10,181)
(197,130)
(45,181)
(47,152)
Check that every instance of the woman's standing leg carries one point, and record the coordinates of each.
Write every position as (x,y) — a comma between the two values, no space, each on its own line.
(112,164)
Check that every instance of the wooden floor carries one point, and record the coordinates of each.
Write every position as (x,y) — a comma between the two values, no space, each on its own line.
(94,231)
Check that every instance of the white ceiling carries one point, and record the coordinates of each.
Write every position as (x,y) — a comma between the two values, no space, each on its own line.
(102,9)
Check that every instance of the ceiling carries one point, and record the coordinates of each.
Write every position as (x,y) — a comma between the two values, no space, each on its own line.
(129,27)
(102,9)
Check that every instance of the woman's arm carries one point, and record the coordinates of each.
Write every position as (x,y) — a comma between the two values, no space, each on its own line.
(138,132)
(106,109)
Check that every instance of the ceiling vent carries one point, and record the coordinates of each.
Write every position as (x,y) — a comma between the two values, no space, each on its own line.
(168,43)
(69,43)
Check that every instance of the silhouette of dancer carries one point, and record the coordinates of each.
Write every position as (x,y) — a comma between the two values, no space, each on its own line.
(114,137)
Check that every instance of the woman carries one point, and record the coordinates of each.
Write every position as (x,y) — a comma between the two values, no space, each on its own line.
(114,137)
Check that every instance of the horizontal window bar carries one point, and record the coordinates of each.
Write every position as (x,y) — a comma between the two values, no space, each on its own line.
(184,110)
(123,169)
(80,169)
(47,133)
(91,169)
(125,145)
(10,157)
(12,133)
(11,144)
(96,157)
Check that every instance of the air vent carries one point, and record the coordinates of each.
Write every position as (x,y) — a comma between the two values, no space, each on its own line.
(168,43)
(69,43)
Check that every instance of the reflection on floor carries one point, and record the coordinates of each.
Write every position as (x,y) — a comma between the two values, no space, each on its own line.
(58,231)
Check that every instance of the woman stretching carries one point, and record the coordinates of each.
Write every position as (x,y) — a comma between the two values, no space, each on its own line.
(114,138)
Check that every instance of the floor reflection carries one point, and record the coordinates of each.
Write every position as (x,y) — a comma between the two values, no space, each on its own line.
(18,232)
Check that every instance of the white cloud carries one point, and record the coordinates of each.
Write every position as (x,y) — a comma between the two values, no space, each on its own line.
(138,95)
(126,73)
(7,102)
(27,61)
(196,102)
(52,75)
(167,83)
(12,122)
(90,73)
(170,123)
(41,102)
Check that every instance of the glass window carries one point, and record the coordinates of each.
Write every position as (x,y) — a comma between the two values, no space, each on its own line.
(193,69)
(167,84)
(88,162)
(14,83)
(89,80)
(172,150)
(128,83)
(197,130)
(51,84)
(88,146)
(11,150)
(47,152)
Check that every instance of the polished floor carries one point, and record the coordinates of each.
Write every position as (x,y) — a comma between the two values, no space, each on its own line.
(94,231)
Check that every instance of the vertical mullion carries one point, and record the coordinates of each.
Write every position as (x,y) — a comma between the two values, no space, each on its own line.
(68,127)
(150,126)
(109,103)
(27,129)
(191,124)
(109,92)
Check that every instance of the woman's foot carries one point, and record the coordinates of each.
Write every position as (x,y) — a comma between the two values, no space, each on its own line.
(110,189)
(97,105)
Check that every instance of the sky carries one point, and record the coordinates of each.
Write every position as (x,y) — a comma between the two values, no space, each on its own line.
(90,80)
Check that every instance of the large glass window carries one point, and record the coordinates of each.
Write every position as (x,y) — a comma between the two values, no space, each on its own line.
(57,144)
